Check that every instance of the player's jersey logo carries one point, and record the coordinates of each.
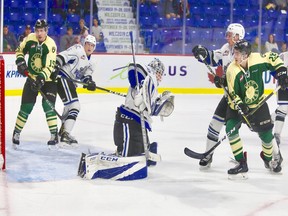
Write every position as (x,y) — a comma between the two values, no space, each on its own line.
(36,63)
(252,92)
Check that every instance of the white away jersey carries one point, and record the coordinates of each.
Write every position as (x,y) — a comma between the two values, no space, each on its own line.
(223,56)
(77,64)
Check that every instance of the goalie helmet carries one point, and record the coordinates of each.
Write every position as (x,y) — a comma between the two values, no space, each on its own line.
(157,66)
(41,23)
(243,46)
(236,28)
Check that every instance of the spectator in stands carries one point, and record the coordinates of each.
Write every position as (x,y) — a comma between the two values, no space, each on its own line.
(77,31)
(10,38)
(74,7)
(181,9)
(96,30)
(82,35)
(6,46)
(284,47)
(271,45)
(59,7)
(67,40)
(255,45)
(86,8)
(171,8)
(26,32)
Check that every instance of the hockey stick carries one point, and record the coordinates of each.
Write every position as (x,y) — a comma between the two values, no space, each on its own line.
(45,98)
(149,155)
(227,92)
(200,156)
(97,87)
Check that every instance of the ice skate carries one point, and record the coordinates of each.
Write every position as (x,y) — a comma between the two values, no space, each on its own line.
(68,140)
(53,141)
(205,163)
(15,139)
(240,170)
(273,165)
(276,163)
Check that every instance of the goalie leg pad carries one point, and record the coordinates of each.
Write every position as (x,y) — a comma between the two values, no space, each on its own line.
(113,167)
(152,148)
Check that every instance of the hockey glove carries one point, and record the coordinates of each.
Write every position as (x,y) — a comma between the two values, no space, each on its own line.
(22,67)
(283,79)
(91,85)
(220,82)
(38,83)
(200,51)
(55,73)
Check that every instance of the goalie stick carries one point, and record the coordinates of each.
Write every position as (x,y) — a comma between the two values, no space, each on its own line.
(97,87)
(195,155)
(148,154)
(46,99)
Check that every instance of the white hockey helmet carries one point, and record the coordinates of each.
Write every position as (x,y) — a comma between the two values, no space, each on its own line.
(157,66)
(91,39)
(236,28)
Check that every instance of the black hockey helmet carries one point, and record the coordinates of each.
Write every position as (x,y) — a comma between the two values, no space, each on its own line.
(243,46)
(41,23)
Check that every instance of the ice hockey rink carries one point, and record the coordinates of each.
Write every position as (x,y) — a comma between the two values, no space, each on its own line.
(42,182)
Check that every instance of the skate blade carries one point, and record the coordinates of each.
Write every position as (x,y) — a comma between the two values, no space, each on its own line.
(239,176)
(205,168)
(53,147)
(65,145)
(15,146)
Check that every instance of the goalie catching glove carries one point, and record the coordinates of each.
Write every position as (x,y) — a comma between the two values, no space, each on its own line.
(164,105)
(89,83)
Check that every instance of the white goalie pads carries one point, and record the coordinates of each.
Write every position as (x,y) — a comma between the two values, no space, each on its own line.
(100,165)
(164,105)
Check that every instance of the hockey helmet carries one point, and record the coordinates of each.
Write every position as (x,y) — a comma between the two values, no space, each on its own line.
(41,23)
(236,28)
(157,66)
(91,39)
(243,46)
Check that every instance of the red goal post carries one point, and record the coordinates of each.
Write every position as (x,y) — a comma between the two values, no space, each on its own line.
(2,113)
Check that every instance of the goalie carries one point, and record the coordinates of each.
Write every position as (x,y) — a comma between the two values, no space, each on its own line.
(129,161)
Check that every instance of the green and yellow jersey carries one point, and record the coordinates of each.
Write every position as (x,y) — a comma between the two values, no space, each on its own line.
(42,57)
(247,86)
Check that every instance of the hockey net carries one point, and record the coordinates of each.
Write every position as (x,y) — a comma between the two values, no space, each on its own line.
(2,113)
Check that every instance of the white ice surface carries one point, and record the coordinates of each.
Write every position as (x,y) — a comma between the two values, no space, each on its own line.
(42,182)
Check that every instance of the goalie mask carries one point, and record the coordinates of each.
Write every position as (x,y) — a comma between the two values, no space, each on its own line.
(158,68)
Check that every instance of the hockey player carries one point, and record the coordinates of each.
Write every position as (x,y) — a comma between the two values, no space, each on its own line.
(246,87)
(73,64)
(223,57)
(42,55)
(129,161)
(280,113)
